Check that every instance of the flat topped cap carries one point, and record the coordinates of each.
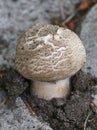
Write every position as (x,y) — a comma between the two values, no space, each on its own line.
(48,53)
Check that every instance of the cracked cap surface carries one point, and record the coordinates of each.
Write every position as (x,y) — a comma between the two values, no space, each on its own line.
(48,53)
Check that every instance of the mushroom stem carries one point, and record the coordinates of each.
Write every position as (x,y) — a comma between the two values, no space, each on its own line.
(49,90)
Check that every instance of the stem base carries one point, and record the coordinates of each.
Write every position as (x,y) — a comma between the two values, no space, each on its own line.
(49,90)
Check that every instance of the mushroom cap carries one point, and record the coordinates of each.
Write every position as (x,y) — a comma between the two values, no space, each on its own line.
(48,53)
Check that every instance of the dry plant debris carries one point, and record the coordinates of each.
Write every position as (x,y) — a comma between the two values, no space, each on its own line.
(72,20)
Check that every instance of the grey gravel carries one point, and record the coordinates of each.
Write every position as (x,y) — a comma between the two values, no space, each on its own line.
(20,15)
(89,38)
(18,117)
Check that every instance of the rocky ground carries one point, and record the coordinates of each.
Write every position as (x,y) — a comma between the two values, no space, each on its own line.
(78,112)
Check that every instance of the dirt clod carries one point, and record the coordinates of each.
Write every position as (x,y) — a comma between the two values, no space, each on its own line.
(14,84)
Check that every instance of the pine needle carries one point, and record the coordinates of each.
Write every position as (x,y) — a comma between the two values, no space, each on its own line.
(3,102)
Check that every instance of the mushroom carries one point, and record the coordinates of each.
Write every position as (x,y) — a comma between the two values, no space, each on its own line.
(49,55)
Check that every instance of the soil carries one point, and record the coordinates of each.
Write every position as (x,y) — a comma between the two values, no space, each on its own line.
(13,83)
(73,113)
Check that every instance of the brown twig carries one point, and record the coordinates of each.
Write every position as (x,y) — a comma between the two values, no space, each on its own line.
(3,102)
(2,74)
(70,17)
(86,5)
(28,106)
(85,123)
(83,6)
(62,9)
